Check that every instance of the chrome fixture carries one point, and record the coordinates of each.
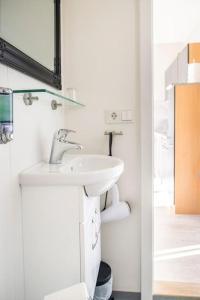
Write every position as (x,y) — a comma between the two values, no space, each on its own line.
(28,99)
(60,145)
(55,104)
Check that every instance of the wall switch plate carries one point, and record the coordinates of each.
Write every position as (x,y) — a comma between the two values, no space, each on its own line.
(112,116)
(119,116)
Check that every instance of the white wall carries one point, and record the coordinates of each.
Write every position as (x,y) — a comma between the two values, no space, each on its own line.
(164,55)
(33,130)
(101,61)
(176,21)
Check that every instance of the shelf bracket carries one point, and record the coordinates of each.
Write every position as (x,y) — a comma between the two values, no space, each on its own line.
(55,104)
(28,99)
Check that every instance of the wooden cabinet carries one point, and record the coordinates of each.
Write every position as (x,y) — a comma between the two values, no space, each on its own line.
(193,53)
(184,121)
(177,72)
(187,149)
(61,239)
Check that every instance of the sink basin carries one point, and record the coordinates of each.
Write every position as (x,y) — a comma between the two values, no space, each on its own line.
(97,173)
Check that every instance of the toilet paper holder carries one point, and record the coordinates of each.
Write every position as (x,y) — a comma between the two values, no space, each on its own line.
(113,132)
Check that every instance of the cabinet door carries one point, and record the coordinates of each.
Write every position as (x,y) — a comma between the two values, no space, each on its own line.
(50,239)
(90,232)
(187,149)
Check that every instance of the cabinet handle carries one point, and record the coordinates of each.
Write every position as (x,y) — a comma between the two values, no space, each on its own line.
(97,238)
(97,233)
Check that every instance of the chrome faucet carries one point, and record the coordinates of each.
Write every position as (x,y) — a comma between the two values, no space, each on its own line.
(60,145)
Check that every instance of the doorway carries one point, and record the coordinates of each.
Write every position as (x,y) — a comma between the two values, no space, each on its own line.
(176,204)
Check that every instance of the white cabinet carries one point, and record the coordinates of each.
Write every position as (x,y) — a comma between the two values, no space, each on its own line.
(177,72)
(61,236)
(170,116)
(183,66)
(171,74)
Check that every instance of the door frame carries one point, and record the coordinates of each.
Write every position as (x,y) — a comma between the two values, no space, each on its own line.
(146,144)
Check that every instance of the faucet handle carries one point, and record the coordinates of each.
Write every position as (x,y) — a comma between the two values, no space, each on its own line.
(63,133)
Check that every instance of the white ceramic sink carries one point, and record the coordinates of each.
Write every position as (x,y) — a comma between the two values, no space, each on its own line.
(97,173)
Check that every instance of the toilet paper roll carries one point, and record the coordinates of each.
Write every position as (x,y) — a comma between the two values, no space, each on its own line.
(194,72)
(116,212)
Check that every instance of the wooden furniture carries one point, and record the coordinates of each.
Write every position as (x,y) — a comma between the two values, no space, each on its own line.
(177,72)
(193,53)
(187,149)
(184,129)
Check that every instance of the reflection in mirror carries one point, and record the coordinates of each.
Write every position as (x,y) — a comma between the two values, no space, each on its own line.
(29,26)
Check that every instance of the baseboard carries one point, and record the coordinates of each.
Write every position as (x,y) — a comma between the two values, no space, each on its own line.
(126,296)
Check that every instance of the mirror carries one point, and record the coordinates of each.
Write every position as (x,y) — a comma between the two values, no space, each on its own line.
(30,38)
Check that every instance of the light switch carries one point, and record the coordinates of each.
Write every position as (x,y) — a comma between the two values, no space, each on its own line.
(127,116)
(123,116)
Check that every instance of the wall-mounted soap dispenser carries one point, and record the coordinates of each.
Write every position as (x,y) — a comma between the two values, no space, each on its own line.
(6,115)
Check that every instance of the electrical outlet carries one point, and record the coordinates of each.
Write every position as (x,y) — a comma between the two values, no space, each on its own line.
(113,116)
(119,116)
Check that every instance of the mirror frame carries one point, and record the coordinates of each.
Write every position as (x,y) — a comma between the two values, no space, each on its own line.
(15,58)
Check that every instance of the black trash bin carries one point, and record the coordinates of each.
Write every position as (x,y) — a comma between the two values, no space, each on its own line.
(103,290)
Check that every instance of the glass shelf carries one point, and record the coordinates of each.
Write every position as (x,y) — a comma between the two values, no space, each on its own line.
(69,101)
